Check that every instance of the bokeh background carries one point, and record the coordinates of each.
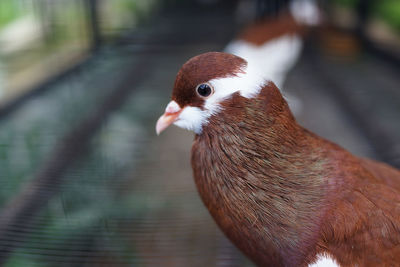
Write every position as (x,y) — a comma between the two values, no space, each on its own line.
(84,180)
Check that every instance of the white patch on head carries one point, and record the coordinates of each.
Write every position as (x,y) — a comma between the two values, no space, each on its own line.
(273,58)
(248,84)
(324,261)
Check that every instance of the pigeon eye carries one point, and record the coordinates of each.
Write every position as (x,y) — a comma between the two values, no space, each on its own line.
(204,90)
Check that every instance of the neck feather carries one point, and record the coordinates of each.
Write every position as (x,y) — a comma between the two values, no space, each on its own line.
(250,170)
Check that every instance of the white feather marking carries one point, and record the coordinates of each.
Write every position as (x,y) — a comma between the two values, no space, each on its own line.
(324,261)
(192,119)
(305,12)
(274,58)
(248,84)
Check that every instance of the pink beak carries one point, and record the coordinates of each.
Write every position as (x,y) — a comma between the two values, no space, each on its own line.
(170,116)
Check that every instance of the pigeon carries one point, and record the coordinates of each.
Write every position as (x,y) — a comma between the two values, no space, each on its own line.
(283,195)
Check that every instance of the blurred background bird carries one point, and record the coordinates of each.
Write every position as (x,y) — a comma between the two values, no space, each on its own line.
(275,40)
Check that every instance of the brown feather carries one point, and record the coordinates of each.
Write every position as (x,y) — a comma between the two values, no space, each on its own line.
(268,29)
(387,174)
(283,194)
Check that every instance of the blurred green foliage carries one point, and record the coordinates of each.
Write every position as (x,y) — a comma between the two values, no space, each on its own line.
(9,10)
(389,10)
(119,15)
(58,26)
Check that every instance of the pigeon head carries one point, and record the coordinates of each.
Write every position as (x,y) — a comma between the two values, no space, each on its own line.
(202,84)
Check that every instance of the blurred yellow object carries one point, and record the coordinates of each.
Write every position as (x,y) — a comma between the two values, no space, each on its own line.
(340,44)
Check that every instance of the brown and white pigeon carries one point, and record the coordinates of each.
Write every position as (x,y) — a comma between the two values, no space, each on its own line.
(281,194)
